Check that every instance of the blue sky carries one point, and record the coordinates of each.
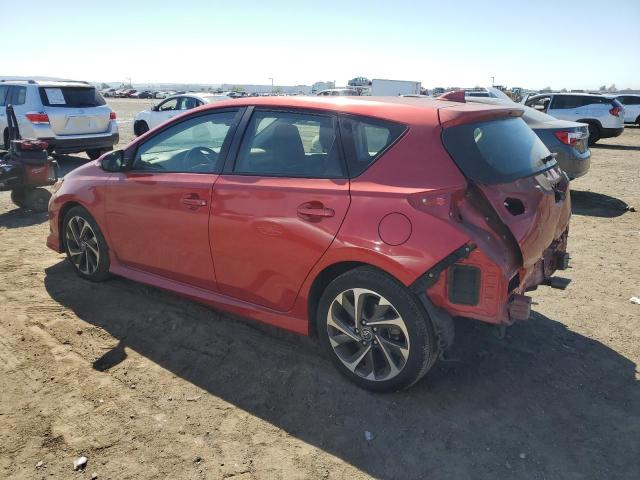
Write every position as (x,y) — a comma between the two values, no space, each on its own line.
(561,43)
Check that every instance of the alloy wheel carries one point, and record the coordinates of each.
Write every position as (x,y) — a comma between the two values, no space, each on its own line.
(368,334)
(82,244)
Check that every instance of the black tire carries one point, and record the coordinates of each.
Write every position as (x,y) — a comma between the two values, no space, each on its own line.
(37,199)
(638,121)
(95,153)
(594,133)
(140,128)
(18,197)
(421,342)
(101,271)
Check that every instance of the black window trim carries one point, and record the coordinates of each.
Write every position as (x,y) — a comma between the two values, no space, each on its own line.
(242,131)
(349,146)
(130,156)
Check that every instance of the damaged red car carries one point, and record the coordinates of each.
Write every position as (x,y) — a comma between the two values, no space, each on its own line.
(368,223)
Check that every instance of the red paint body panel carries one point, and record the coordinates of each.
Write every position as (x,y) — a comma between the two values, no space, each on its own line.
(254,250)
(263,248)
(153,229)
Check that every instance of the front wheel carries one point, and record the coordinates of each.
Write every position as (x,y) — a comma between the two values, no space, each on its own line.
(140,128)
(376,331)
(85,245)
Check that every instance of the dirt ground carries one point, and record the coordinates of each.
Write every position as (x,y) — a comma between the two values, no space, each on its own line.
(149,385)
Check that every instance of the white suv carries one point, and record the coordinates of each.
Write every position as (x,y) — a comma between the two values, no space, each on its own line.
(70,116)
(604,115)
(631,104)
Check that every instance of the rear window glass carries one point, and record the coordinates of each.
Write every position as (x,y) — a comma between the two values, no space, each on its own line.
(497,151)
(71,97)
(366,139)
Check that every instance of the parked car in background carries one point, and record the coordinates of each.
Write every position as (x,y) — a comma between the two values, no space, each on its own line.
(143,94)
(566,139)
(70,116)
(604,115)
(109,92)
(338,92)
(169,108)
(228,205)
(631,103)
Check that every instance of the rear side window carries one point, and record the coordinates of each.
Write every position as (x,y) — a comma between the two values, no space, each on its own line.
(17,95)
(71,97)
(497,151)
(365,139)
(289,144)
(4,90)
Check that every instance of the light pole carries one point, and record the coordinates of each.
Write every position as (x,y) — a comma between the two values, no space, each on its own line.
(493,83)
(271,78)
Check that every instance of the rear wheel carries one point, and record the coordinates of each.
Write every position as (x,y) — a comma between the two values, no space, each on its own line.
(85,245)
(376,331)
(140,128)
(37,199)
(18,197)
(594,133)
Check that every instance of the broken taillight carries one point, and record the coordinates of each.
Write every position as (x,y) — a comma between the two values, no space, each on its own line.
(615,111)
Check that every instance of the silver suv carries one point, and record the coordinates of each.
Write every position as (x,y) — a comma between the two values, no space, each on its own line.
(70,116)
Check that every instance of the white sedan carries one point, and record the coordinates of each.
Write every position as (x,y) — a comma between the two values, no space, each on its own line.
(170,107)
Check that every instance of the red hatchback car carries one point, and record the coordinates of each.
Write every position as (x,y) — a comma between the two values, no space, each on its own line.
(368,223)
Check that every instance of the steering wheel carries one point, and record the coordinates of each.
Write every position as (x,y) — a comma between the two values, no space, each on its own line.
(200,159)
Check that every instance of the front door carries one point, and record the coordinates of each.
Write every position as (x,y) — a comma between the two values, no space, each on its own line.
(158,211)
(279,208)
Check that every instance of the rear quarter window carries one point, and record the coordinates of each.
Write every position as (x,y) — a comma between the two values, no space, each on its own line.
(71,97)
(366,139)
(4,90)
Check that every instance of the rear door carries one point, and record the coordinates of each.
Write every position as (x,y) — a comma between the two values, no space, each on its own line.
(75,110)
(278,207)
(158,211)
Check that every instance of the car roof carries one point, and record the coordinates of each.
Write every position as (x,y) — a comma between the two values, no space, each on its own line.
(417,111)
(567,93)
(48,83)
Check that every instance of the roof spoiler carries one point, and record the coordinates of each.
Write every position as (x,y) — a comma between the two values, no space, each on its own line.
(453,96)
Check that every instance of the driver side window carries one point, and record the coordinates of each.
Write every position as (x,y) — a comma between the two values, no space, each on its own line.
(191,146)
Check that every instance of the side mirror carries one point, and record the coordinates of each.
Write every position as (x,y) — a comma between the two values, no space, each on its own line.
(155,108)
(113,162)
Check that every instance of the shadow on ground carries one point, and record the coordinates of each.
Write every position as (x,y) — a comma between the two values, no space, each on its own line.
(596,204)
(22,217)
(606,146)
(570,404)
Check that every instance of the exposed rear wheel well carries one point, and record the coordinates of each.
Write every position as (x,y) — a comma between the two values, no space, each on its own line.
(5,139)
(324,278)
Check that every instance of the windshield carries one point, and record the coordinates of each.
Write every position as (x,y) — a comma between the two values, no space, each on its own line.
(497,151)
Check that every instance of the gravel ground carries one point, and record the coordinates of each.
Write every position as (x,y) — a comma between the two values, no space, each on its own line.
(149,385)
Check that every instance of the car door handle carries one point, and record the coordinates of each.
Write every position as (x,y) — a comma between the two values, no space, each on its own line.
(193,201)
(315,209)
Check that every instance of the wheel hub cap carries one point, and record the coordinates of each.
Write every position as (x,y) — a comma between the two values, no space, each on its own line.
(367,334)
(82,245)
